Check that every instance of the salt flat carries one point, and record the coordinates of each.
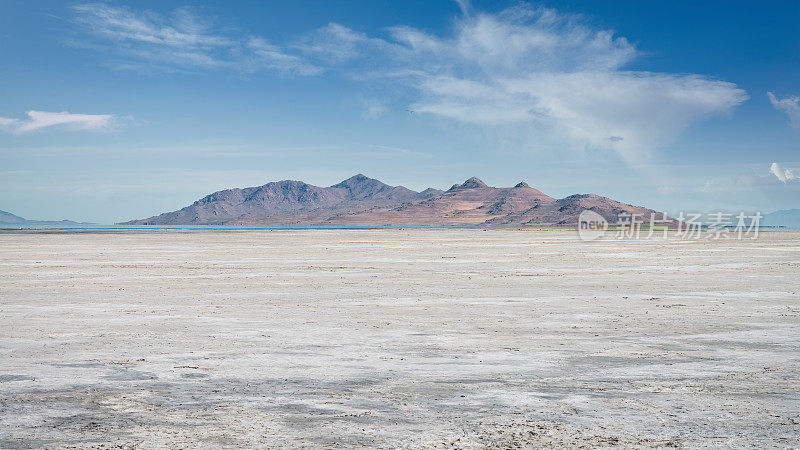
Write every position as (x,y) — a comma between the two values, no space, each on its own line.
(397,338)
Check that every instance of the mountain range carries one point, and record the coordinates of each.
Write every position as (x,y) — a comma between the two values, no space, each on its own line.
(363,201)
(10,220)
(788,218)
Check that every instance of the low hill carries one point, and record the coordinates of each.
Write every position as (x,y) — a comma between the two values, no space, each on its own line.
(789,218)
(10,220)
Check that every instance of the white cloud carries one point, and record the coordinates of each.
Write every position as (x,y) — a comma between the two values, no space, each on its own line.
(540,74)
(518,40)
(38,120)
(179,42)
(628,112)
(789,105)
(784,175)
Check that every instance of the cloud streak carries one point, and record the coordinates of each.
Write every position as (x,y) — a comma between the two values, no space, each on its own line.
(464,6)
(789,105)
(784,175)
(180,41)
(40,120)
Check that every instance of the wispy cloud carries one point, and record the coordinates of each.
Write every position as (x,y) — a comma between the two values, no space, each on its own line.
(181,41)
(784,175)
(336,44)
(464,6)
(265,56)
(39,120)
(789,105)
(744,182)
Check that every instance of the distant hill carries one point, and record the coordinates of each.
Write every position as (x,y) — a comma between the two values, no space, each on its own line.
(7,219)
(363,201)
(789,218)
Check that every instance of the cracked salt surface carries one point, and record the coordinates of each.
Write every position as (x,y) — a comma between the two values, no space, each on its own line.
(385,338)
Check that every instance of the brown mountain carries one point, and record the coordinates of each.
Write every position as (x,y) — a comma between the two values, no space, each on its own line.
(363,201)
(278,202)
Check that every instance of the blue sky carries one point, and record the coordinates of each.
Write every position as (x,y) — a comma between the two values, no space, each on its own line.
(120,110)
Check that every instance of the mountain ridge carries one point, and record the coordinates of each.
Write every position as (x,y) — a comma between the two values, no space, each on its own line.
(8,219)
(789,218)
(363,201)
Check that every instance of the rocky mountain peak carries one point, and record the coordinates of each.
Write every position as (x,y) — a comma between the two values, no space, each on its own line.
(471,183)
(358,180)
(361,186)
(474,182)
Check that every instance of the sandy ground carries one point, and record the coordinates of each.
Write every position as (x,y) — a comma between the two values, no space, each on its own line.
(397,338)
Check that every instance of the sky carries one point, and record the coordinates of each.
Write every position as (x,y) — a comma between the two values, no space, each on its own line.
(112,111)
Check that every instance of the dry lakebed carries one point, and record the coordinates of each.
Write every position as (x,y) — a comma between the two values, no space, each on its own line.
(409,338)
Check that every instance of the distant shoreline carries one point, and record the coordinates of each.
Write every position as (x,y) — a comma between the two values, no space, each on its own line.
(300,228)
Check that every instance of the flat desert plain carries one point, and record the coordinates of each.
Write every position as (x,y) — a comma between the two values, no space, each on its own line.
(438,338)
